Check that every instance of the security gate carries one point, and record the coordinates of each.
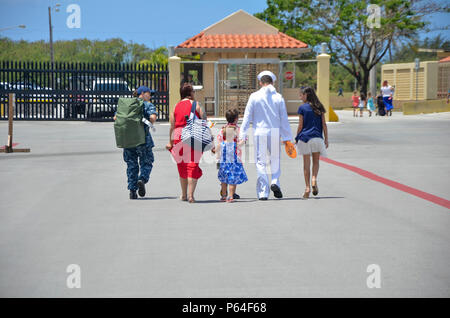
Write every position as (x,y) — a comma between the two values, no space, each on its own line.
(228,83)
(78,91)
(237,80)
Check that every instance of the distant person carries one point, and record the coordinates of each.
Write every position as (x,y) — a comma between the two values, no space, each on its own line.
(231,171)
(370,104)
(355,103)
(388,92)
(362,103)
(311,131)
(189,80)
(341,92)
(183,79)
(380,105)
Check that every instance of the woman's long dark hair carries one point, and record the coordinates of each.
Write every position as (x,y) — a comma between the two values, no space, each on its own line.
(313,100)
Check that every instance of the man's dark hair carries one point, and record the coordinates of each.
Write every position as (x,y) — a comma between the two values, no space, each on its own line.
(266,79)
(231,115)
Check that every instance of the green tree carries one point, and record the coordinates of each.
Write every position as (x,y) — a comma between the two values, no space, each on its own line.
(138,52)
(410,50)
(81,50)
(344,25)
(157,57)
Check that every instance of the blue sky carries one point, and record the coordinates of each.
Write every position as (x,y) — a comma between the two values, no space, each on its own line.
(153,23)
(140,21)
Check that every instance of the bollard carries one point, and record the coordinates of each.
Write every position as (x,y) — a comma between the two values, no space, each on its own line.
(11,102)
(9,146)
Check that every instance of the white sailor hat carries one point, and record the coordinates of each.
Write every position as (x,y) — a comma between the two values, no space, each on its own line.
(274,78)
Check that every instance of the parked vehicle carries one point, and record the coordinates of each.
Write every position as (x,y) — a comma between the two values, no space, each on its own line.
(5,86)
(31,102)
(32,97)
(3,98)
(94,97)
(108,91)
(76,104)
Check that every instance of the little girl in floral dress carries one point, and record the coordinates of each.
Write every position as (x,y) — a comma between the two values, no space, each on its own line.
(231,171)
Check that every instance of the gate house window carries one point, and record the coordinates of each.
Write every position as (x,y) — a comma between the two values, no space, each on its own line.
(196,70)
(241,76)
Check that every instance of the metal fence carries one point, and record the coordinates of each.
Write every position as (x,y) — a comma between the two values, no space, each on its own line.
(78,91)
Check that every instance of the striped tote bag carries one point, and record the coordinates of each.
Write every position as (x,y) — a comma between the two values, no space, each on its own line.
(196,133)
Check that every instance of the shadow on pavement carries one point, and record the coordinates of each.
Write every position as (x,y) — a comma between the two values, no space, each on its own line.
(207,201)
(58,154)
(241,200)
(158,198)
(317,198)
(302,199)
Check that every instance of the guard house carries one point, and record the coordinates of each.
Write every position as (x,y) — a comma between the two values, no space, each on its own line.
(232,52)
(411,82)
(444,77)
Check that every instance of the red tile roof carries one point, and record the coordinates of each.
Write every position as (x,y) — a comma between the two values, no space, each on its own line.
(239,41)
(445,59)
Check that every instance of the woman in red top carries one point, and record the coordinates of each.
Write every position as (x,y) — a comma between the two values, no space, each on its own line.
(355,103)
(187,159)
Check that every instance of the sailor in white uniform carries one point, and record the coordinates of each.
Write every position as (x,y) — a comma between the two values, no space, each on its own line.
(266,110)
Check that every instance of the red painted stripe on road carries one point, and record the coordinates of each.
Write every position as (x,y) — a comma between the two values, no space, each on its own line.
(423,195)
(14,144)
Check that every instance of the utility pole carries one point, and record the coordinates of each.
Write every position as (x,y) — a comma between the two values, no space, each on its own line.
(51,29)
(51,33)
(373,70)
(52,60)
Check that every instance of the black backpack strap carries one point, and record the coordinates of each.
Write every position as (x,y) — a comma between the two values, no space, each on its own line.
(194,105)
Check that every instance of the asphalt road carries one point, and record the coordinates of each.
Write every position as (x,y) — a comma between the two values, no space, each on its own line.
(66,203)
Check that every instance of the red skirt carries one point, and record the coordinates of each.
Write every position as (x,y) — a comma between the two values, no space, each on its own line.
(187,160)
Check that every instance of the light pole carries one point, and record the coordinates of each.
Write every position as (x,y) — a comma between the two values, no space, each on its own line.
(22,26)
(373,70)
(56,7)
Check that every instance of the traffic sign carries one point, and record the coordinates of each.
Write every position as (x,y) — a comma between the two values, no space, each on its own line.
(288,75)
